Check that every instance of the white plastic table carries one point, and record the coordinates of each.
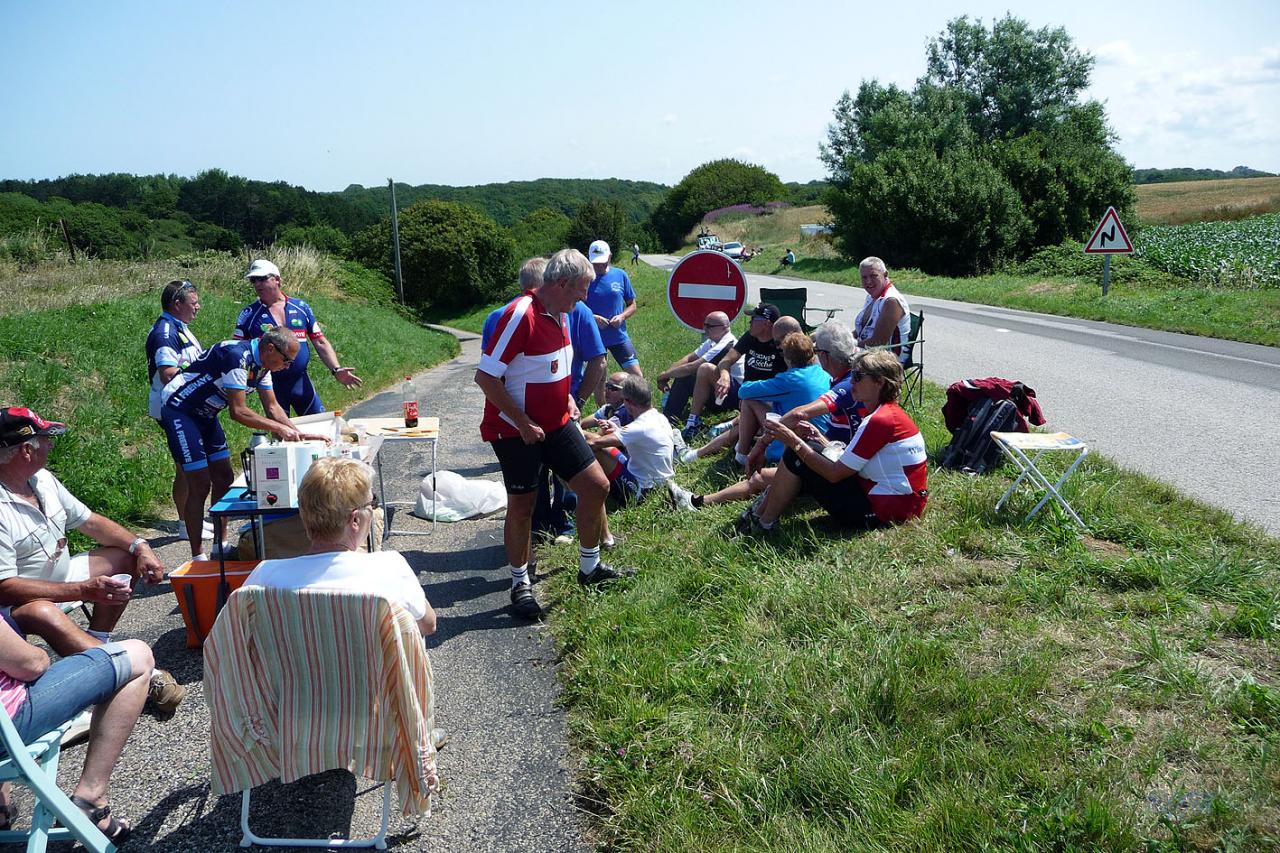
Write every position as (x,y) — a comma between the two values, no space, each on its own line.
(384,430)
(1017,446)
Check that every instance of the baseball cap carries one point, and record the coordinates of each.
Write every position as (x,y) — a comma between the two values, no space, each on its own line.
(766,311)
(261,268)
(599,252)
(18,424)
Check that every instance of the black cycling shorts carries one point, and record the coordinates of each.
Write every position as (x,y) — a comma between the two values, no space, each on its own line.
(844,501)
(565,451)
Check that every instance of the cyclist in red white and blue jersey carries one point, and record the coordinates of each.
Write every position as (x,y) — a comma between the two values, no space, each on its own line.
(220,379)
(293,388)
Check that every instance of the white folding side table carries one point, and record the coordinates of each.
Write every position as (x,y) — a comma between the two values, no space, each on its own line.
(1016,445)
(392,430)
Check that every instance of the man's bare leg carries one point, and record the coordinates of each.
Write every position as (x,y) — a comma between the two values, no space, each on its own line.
(750,417)
(518,527)
(47,621)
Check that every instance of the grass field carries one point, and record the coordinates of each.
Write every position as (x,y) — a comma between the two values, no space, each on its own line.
(966,682)
(72,348)
(1202,201)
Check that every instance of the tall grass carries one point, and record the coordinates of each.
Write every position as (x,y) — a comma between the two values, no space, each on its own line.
(964,682)
(1182,202)
(72,347)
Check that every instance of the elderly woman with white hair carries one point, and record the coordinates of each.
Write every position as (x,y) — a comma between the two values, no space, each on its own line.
(337,503)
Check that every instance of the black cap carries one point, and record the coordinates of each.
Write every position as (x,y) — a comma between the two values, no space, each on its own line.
(18,424)
(767,311)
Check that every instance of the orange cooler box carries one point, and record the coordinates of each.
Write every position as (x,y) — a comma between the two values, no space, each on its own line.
(195,583)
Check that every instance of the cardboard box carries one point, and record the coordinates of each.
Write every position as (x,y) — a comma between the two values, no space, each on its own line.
(278,470)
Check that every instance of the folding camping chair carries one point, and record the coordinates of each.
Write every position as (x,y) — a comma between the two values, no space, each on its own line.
(35,765)
(913,364)
(327,680)
(1016,445)
(792,302)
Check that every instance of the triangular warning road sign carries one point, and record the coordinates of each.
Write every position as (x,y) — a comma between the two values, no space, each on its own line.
(1109,238)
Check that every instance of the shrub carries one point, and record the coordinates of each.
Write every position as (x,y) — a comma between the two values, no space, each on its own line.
(708,187)
(451,255)
(598,220)
(323,237)
(541,232)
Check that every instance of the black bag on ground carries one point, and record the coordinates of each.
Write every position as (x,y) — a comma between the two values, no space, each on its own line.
(972,448)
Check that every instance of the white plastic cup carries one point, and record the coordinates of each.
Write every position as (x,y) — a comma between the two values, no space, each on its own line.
(773,416)
(123,579)
(720,398)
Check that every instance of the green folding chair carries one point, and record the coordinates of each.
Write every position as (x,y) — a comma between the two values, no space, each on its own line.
(792,302)
(35,765)
(913,365)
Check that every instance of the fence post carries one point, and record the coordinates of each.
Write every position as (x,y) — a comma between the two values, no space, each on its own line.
(66,235)
(395,239)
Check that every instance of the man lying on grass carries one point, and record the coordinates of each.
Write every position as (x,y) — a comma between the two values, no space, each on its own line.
(878,479)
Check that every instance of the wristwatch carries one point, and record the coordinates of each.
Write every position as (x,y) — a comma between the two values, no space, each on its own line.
(334,370)
(133,546)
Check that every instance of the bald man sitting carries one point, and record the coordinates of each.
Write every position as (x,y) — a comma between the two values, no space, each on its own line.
(681,377)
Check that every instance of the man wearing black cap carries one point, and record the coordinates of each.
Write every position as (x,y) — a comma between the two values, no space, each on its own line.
(37,572)
(761,359)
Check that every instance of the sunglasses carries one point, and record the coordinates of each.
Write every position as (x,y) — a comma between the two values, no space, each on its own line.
(372,503)
(288,362)
(712,325)
(609,387)
(858,376)
(258,278)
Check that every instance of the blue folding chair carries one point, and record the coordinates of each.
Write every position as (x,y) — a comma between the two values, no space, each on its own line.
(35,765)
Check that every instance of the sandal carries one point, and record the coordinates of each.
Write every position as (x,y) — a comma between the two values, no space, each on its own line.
(116,831)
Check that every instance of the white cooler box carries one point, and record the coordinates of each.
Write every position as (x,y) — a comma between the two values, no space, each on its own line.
(278,470)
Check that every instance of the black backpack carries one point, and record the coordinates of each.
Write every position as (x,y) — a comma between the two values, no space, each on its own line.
(972,449)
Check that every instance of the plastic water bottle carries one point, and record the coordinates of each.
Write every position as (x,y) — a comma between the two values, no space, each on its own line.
(410,403)
(721,427)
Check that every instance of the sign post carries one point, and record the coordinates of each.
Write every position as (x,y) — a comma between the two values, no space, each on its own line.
(1108,239)
(706,281)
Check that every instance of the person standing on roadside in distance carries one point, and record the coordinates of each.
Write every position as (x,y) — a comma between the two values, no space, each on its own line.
(525,376)
(885,318)
(222,378)
(612,300)
(635,254)
(292,386)
(171,346)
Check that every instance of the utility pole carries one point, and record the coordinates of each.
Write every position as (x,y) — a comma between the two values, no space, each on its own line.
(395,239)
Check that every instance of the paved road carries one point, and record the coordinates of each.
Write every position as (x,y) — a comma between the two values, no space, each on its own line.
(1195,412)
(508,770)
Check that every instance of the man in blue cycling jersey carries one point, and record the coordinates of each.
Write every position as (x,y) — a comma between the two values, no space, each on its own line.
(612,300)
(220,379)
(293,388)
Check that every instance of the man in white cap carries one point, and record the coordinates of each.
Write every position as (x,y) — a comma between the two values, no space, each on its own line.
(612,299)
(293,388)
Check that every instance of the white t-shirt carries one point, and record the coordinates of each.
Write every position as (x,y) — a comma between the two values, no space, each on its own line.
(649,445)
(384,573)
(709,349)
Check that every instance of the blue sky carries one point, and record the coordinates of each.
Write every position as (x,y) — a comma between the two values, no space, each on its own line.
(325,94)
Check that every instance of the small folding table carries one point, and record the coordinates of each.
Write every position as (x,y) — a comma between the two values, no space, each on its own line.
(1017,446)
(381,431)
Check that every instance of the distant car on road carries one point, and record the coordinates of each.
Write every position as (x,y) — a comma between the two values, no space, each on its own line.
(708,241)
(733,250)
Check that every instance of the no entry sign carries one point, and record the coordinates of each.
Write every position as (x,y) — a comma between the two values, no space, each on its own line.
(703,282)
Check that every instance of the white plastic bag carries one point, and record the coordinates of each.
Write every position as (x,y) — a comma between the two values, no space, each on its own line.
(455,497)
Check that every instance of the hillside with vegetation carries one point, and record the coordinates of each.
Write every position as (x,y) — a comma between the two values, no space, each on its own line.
(1185,173)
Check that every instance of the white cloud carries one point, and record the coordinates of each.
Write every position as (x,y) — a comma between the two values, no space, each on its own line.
(670,118)
(1116,53)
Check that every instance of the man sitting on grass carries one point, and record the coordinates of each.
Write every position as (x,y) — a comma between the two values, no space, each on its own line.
(637,457)
(614,409)
(680,379)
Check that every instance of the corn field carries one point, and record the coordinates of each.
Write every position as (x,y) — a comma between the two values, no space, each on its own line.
(1241,254)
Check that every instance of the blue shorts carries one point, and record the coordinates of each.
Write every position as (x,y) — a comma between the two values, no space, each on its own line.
(193,442)
(624,352)
(69,686)
(297,393)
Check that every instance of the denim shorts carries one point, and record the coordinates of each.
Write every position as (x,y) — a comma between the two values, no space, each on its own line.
(69,686)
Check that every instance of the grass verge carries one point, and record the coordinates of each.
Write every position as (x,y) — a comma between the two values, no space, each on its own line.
(964,682)
(76,353)
(1168,304)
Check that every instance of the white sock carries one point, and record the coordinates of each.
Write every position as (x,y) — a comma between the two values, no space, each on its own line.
(587,559)
(104,636)
(519,575)
(740,458)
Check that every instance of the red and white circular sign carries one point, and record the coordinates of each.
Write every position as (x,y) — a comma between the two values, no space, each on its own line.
(706,281)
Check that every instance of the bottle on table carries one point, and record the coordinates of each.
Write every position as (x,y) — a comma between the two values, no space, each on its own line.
(410,403)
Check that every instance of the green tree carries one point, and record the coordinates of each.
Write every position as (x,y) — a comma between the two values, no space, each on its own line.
(541,232)
(597,220)
(719,183)
(451,255)
(323,237)
(991,155)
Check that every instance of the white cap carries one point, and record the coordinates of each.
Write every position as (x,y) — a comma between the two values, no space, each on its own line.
(599,252)
(261,268)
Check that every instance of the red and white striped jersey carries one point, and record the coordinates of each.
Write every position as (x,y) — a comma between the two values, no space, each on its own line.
(888,454)
(530,352)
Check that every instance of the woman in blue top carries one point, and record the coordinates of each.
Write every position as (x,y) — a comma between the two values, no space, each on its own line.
(802,382)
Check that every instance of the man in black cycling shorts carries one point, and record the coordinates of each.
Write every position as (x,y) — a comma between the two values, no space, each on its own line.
(530,419)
